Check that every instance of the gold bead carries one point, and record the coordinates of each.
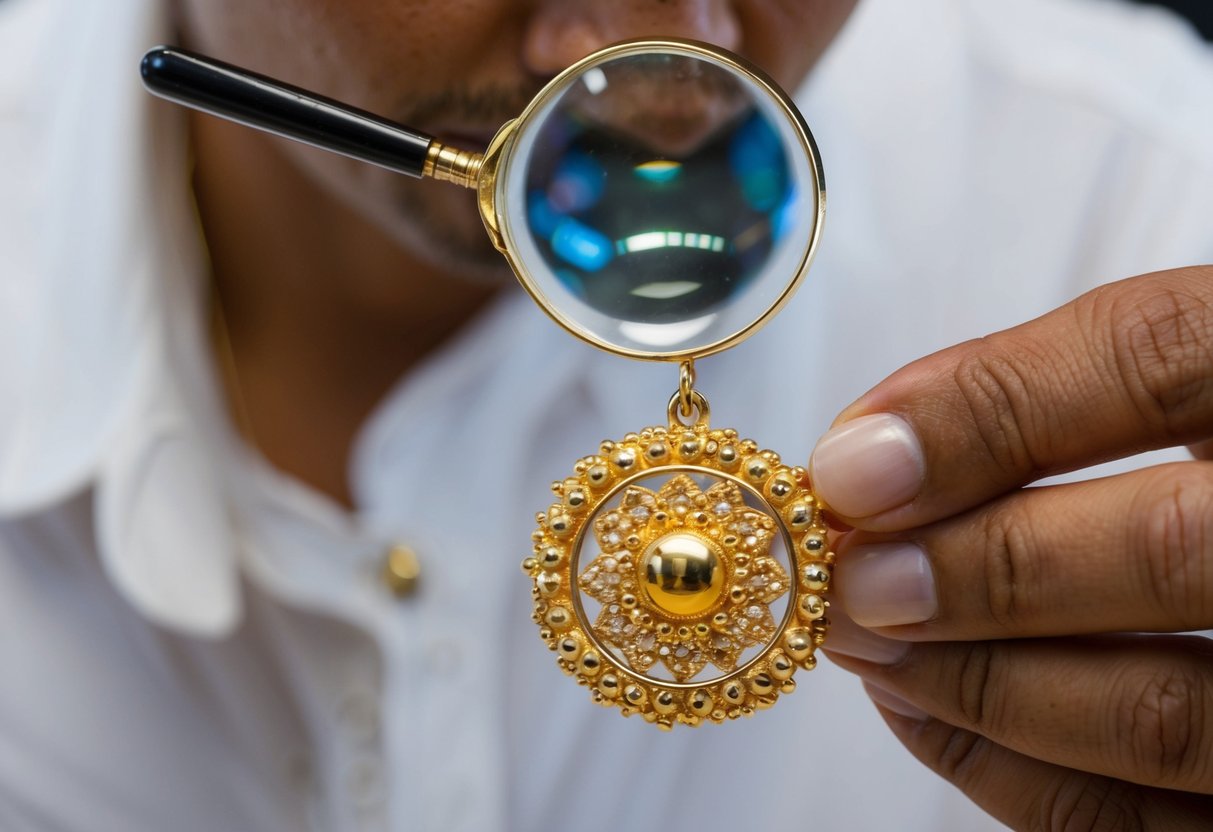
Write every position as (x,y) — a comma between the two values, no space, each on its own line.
(628,601)
(728,455)
(401,571)
(781,667)
(569,647)
(799,643)
(624,459)
(733,692)
(635,695)
(737,595)
(682,573)
(575,498)
(665,702)
(558,618)
(550,557)
(529,565)
(702,629)
(598,475)
(690,446)
(810,607)
(814,543)
(608,685)
(720,619)
(799,515)
(815,576)
(548,583)
(657,452)
(809,663)
(789,686)
(757,469)
(559,522)
(781,487)
(590,663)
(761,684)
(701,703)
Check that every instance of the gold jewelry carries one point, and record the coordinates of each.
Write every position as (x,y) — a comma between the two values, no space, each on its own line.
(684,576)
(682,572)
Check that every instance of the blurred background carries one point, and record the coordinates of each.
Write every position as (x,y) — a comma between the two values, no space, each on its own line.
(1200,12)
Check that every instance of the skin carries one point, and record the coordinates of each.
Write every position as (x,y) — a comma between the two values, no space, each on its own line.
(336,278)
(1022,687)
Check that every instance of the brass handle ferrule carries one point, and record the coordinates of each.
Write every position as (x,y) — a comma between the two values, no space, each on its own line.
(450,164)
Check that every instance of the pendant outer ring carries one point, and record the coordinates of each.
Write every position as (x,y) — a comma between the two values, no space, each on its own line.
(565,627)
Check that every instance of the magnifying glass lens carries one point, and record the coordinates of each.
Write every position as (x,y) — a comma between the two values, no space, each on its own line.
(660,201)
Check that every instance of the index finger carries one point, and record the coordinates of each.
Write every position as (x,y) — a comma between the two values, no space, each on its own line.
(1123,369)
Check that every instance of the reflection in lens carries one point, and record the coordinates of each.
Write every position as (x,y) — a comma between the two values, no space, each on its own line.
(657,189)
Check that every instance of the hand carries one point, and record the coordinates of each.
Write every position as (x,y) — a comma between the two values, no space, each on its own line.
(995,620)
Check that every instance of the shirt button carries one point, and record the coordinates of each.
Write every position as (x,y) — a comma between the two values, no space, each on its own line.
(401,570)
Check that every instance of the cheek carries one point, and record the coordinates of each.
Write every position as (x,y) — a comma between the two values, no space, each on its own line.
(369,53)
(787,37)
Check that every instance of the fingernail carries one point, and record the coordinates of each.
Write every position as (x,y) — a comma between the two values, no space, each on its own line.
(849,639)
(894,703)
(868,465)
(886,584)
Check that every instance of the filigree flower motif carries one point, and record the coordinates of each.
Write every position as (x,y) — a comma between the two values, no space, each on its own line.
(684,576)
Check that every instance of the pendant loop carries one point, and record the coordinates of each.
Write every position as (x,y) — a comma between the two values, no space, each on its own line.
(700,412)
(686,388)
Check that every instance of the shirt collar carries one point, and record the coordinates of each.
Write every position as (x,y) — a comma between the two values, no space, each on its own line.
(107,375)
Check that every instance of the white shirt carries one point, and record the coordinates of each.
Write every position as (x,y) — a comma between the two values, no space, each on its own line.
(192,641)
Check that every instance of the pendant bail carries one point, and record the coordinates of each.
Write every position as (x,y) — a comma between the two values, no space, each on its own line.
(688,407)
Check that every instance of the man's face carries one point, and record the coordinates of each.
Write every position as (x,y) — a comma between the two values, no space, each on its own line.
(458,69)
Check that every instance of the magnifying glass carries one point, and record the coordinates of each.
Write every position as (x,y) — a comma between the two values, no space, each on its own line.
(660,199)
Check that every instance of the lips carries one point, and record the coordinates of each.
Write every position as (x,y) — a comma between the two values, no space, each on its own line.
(465,138)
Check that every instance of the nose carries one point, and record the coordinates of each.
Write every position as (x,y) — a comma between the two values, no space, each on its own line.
(561,32)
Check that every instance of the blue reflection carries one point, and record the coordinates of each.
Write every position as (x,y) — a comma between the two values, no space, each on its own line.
(577,184)
(643,235)
(757,159)
(543,218)
(581,246)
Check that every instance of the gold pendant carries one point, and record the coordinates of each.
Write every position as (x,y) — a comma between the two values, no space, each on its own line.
(683,573)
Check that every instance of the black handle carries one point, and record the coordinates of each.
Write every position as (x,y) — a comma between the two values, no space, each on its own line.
(256,101)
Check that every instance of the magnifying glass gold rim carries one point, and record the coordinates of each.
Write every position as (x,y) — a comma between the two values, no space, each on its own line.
(500,154)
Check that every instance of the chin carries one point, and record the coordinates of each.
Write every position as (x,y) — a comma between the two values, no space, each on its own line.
(449,237)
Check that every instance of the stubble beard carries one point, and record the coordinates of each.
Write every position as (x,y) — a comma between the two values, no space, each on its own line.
(451,241)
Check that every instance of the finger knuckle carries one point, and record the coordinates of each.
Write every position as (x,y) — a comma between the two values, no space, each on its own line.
(962,756)
(977,677)
(1176,540)
(1081,803)
(1000,389)
(1159,721)
(992,391)
(1010,579)
(1161,337)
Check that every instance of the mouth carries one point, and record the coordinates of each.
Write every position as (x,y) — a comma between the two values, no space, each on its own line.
(465,138)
